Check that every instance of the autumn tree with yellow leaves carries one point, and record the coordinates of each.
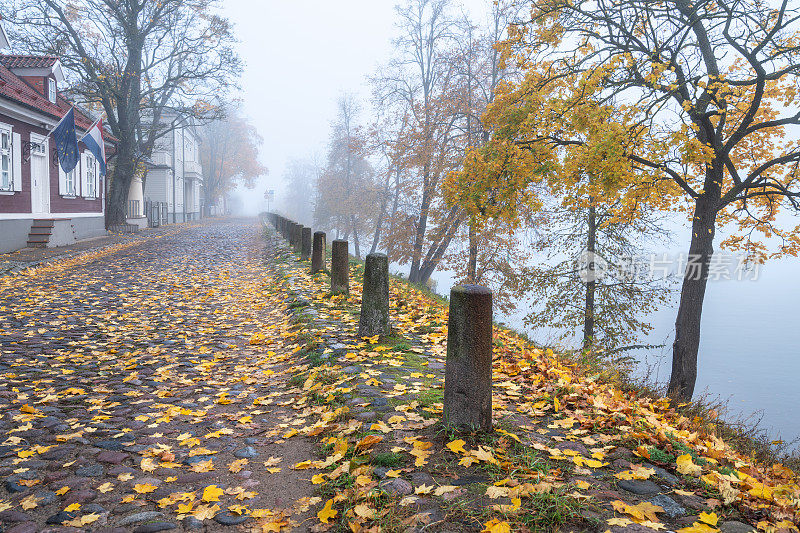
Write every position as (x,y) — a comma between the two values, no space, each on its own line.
(681,106)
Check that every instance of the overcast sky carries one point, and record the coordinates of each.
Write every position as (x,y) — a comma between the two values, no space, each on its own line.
(300,55)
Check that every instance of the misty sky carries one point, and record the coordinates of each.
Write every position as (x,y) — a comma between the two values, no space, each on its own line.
(300,56)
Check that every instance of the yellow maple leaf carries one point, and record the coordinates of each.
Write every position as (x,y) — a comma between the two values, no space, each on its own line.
(698,527)
(203,466)
(317,479)
(105,487)
(496,492)
(423,489)
(456,446)
(238,465)
(72,507)
(144,488)
(485,455)
(709,518)
(237,509)
(444,489)
(380,426)
(468,460)
(687,466)
(89,518)
(272,461)
(649,510)
(29,502)
(327,512)
(365,511)
(621,522)
(368,441)
(496,526)
(204,512)
(212,493)
(148,464)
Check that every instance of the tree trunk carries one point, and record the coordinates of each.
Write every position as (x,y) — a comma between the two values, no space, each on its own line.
(393,215)
(376,238)
(591,283)
(419,235)
(693,291)
(120,184)
(472,262)
(355,236)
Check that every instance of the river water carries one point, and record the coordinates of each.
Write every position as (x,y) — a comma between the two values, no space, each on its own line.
(750,345)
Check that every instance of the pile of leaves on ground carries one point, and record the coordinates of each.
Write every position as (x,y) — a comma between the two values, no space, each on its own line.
(565,448)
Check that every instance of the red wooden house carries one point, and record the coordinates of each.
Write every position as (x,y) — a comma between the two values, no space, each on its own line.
(40,205)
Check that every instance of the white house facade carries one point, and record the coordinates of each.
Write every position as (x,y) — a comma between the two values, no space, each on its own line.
(174,177)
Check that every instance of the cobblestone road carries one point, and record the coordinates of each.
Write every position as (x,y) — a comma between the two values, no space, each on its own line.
(129,391)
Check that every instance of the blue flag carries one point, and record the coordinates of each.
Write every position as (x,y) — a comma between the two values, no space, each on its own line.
(67,142)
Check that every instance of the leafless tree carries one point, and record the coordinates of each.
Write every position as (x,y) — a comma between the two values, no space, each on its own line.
(132,59)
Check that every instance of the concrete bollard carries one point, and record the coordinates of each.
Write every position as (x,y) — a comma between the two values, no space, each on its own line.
(468,370)
(297,236)
(374,318)
(305,243)
(340,267)
(318,253)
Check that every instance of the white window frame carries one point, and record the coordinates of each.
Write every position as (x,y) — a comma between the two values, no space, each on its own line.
(90,176)
(52,90)
(71,190)
(7,154)
(69,184)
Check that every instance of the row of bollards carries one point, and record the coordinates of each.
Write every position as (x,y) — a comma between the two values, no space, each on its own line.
(468,367)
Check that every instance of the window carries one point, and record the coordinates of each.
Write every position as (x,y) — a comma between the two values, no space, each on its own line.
(70,183)
(38,148)
(6,172)
(91,177)
(51,89)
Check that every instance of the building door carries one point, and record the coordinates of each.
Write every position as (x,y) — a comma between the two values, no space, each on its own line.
(40,177)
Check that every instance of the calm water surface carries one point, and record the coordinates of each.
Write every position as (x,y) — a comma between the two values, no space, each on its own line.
(749,350)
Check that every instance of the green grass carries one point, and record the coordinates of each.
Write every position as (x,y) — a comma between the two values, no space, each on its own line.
(387,459)
(429,397)
(548,511)
(335,486)
(660,456)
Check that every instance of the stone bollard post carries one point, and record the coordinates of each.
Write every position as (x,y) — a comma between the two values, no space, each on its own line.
(318,253)
(374,318)
(305,243)
(296,236)
(468,370)
(340,267)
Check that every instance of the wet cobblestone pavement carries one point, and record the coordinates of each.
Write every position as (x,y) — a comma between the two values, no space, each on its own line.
(130,396)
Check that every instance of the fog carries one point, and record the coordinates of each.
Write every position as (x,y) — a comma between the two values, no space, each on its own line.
(299,57)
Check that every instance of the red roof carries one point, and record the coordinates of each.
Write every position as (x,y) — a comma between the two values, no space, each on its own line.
(14,88)
(23,61)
